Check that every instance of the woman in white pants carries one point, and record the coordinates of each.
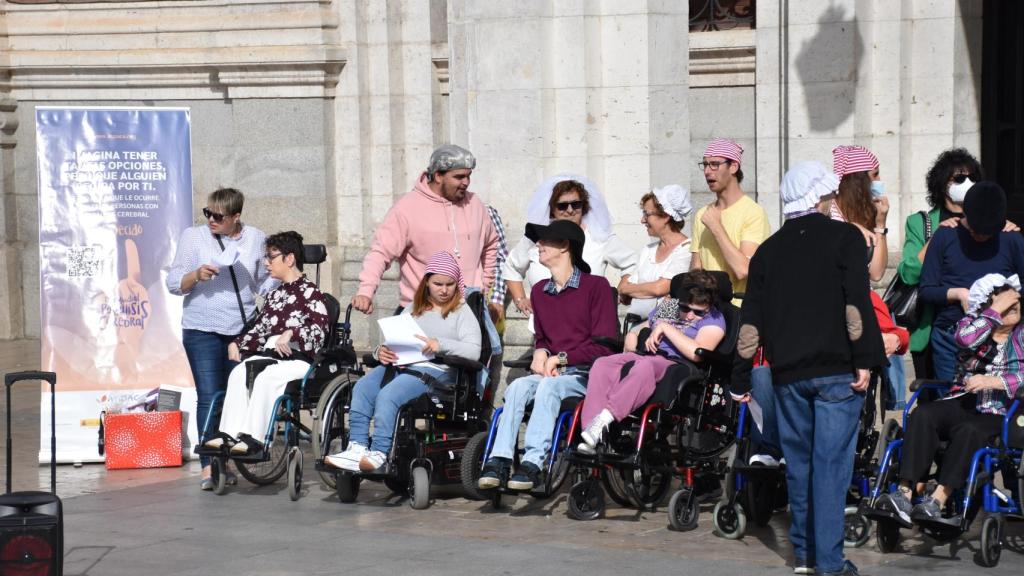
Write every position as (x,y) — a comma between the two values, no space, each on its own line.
(291,327)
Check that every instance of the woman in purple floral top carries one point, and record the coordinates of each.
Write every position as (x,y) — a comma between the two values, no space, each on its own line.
(680,323)
(989,373)
(290,328)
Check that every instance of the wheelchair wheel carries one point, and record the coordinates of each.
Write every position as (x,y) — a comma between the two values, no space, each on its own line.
(218,473)
(856,528)
(469,468)
(329,433)
(347,486)
(891,430)
(294,473)
(559,471)
(991,541)
(420,488)
(729,520)
(887,536)
(268,472)
(683,511)
(586,500)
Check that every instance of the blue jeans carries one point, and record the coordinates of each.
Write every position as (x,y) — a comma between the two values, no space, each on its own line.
(765,440)
(547,394)
(818,427)
(944,350)
(370,400)
(207,354)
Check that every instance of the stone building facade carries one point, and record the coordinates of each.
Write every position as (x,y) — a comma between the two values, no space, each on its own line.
(324,111)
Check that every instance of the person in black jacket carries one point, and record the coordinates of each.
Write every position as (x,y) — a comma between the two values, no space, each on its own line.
(807,303)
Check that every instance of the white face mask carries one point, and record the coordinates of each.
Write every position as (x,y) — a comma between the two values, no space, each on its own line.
(877,188)
(957,192)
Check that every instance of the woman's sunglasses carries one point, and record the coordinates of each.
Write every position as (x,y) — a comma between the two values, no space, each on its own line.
(696,312)
(207,213)
(959,178)
(564,206)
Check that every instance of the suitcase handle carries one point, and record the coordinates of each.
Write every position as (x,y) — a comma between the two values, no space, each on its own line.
(9,380)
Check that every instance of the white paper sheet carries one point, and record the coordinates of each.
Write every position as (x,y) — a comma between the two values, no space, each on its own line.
(226,257)
(399,334)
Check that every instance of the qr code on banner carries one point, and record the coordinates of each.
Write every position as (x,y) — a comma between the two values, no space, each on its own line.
(82,261)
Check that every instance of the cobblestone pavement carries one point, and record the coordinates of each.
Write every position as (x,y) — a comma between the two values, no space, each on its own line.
(158,522)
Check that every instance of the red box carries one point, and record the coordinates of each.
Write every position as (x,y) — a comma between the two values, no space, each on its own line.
(142,440)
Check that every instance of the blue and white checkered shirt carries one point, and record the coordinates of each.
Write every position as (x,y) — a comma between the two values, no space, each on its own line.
(573,282)
(211,306)
(498,289)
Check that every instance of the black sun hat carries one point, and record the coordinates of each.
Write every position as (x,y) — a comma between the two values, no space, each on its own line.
(985,208)
(562,230)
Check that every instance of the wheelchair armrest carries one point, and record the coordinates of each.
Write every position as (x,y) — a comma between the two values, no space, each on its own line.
(712,356)
(458,362)
(613,344)
(523,363)
(370,361)
(926,384)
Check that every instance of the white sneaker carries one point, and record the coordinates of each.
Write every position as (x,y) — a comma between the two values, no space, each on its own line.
(214,443)
(349,458)
(595,430)
(586,449)
(764,460)
(373,461)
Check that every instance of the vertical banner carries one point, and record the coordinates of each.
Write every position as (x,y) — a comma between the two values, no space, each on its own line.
(115,192)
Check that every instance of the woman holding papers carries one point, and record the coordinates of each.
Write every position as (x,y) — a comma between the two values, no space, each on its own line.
(991,342)
(446,327)
(217,269)
(292,326)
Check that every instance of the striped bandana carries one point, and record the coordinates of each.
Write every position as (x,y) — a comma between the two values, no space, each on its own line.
(851,159)
(725,148)
(445,263)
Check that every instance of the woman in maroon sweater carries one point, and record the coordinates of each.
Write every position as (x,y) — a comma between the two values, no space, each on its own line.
(293,319)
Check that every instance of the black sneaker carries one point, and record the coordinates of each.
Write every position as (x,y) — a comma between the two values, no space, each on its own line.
(927,509)
(526,476)
(494,470)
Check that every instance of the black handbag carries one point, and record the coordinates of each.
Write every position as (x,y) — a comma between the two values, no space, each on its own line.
(900,297)
(247,323)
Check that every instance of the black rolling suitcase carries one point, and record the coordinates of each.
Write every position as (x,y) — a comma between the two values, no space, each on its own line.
(32,523)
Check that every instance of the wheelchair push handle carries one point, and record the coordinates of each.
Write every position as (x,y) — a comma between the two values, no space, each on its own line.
(13,377)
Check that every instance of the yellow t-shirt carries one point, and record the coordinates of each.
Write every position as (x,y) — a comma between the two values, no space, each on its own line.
(744,221)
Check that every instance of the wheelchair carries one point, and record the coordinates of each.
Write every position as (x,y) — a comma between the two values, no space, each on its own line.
(638,461)
(432,432)
(556,468)
(755,492)
(1002,454)
(280,452)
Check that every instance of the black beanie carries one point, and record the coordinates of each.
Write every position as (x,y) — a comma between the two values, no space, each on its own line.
(985,208)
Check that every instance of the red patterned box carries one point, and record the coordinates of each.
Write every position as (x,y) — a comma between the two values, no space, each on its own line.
(142,440)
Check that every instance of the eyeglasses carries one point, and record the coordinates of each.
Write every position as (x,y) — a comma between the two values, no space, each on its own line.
(564,206)
(959,178)
(713,164)
(207,213)
(270,257)
(696,311)
(647,214)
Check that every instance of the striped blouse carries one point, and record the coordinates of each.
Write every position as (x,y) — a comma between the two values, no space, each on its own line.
(980,354)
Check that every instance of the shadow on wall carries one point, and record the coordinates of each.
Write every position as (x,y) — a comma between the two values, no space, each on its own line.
(828,67)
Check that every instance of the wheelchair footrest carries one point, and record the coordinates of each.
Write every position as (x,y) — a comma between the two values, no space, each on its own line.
(759,471)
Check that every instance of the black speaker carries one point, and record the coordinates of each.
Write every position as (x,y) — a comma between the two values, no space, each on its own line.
(32,523)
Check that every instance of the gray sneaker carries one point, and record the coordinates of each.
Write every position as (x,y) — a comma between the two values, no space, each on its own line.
(927,509)
(899,503)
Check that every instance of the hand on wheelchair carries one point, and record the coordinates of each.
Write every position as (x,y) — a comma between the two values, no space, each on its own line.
(979,382)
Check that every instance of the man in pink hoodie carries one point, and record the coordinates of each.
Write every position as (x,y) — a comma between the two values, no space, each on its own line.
(439,214)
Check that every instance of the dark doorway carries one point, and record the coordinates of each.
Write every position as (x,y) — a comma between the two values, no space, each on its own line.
(1002,100)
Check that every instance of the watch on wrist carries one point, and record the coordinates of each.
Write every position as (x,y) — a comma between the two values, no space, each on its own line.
(882,231)
(563,360)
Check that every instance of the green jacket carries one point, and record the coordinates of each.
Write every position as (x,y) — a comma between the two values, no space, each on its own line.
(909,270)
